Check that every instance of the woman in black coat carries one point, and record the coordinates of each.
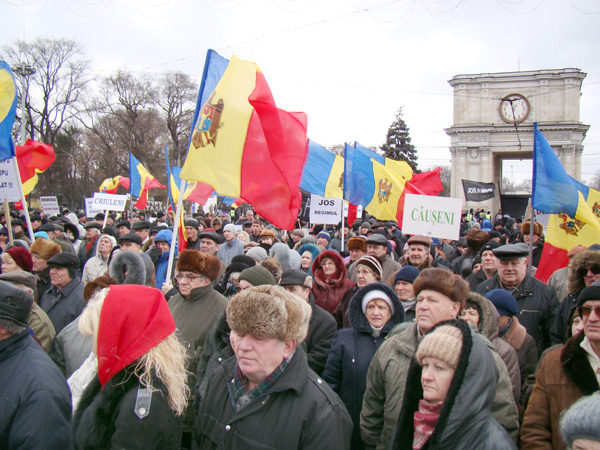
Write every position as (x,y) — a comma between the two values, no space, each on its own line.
(139,395)
(353,348)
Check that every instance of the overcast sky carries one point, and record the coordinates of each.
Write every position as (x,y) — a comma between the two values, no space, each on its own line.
(349,64)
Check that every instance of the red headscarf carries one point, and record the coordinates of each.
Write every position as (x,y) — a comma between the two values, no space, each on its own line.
(133,320)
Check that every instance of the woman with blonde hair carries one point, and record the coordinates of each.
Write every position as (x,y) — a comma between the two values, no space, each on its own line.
(139,396)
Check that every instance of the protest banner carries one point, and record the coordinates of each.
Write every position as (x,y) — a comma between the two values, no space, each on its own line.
(49,206)
(109,202)
(432,216)
(325,210)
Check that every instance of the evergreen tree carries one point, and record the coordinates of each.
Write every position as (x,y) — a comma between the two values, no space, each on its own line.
(397,145)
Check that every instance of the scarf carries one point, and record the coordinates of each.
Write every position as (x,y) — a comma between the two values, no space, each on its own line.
(424,422)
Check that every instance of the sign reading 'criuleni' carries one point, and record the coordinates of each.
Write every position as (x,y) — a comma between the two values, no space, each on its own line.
(432,216)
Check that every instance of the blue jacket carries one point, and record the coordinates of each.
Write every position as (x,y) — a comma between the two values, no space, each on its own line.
(163,262)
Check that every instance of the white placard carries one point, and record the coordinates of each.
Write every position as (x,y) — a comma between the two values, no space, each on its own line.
(432,216)
(109,202)
(325,210)
(9,185)
(90,211)
(50,206)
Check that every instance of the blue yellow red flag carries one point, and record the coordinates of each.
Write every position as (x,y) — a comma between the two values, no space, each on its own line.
(8,110)
(140,181)
(323,172)
(111,185)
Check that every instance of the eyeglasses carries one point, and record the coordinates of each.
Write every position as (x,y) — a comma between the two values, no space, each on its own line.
(186,276)
(595,269)
(585,311)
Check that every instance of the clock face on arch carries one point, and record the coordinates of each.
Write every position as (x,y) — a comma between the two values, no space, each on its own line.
(514,108)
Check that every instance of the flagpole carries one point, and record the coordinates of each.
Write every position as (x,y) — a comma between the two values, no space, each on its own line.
(529,264)
(8,224)
(23,201)
(182,188)
(343,223)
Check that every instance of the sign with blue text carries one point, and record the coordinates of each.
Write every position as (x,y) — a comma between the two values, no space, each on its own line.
(437,217)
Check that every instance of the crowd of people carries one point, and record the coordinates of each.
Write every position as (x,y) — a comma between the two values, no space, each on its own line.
(353,336)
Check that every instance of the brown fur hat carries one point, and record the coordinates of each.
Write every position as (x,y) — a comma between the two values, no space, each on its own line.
(357,243)
(477,239)
(44,248)
(444,282)
(198,262)
(538,228)
(269,312)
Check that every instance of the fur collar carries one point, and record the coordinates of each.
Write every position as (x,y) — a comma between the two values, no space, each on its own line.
(576,283)
(577,367)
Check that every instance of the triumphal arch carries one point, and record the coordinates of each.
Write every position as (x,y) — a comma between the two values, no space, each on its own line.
(493,120)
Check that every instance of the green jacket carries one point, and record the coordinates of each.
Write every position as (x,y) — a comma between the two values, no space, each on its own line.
(386,380)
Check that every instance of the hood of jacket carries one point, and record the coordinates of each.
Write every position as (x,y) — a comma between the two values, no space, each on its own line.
(468,402)
(113,243)
(357,317)
(576,282)
(338,278)
(282,253)
(488,323)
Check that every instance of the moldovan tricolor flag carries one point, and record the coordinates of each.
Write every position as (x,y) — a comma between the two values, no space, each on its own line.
(244,146)
(33,158)
(140,181)
(8,110)
(111,185)
(323,172)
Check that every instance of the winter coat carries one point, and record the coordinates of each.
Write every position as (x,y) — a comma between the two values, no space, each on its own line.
(163,260)
(35,411)
(516,335)
(465,420)
(475,279)
(351,354)
(227,250)
(329,292)
(341,311)
(113,418)
(321,331)
(300,411)
(98,265)
(538,306)
(559,282)
(65,305)
(488,326)
(43,281)
(84,255)
(565,375)
(389,266)
(71,348)
(42,327)
(386,380)
(575,285)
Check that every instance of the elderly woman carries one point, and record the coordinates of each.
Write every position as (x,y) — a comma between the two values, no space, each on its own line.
(308,253)
(331,283)
(374,311)
(140,390)
(449,392)
(16,258)
(368,271)
(98,265)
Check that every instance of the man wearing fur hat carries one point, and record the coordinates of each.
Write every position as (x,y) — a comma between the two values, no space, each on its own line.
(440,296)
(41,251)
(538,304)
(266,396)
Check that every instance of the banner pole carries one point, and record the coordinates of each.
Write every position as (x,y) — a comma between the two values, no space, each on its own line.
(23,201)
(182,188)
(8,224)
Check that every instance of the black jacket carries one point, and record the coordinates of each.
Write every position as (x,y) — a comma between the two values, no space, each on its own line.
(538,307)
(109,418)
(35,411)
(321,330)
(352,351)
(63,306)
(300,411)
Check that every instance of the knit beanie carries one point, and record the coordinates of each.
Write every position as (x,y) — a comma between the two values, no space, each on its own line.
(376,295)
(408,274)
(588,293)
(443,343)
(22,257)
(505,303)
(269,312)
(324,234)
(258,253)
(133,320)
(582,420)
(257,276)
(373,263)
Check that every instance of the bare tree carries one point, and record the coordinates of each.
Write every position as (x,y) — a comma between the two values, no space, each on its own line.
(54,90)
(446,178)
(595,181)
(177,98)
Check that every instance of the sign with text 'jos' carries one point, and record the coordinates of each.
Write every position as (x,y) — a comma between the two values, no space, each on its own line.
(109,202)
(325,210)
(437,217)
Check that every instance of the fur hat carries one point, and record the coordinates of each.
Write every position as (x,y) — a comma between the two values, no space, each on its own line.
(443,343)
(257,276)
(477,239)
(44,248)
(444,282)
(538,228)
(198,262)
(267,232)
(373,263)
(582,420)
(21,257)
(130,263)
(269,312)
(357,243)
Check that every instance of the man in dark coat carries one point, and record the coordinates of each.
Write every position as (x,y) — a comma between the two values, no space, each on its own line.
(538,304)
(35,411)
(322,325)
(64,301)
(266,396)
(88,247)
